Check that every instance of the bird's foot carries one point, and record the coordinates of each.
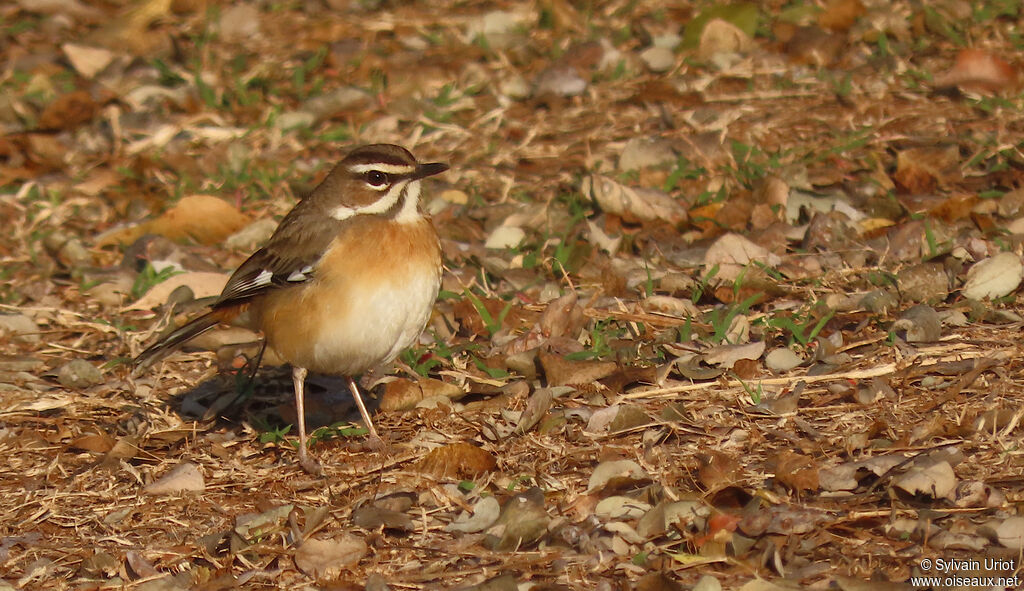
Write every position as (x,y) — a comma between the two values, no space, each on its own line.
(374,443)
(310,465)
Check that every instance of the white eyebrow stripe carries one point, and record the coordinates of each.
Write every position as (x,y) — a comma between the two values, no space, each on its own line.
(386,202)
(383,167)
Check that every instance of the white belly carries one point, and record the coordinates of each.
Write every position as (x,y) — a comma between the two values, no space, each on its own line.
(380,323)
(365,303)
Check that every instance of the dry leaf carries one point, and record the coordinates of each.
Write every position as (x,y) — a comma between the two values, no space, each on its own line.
(498,583)
(251,526)
(840,15)
(185,477)
(602,418)
(505,237)
(98,181)
(1010,533)
(485,513)
(88,61)
(473,324)
(658,581)
(457,460)
(71,8)
(782,359)
(974,493)
(718,470)
(813,45)
(616,475)
(522,521)
(371,517)
(562,317)
(922,170)
(536,408)
(670,306)
(642,152)
(126,448)
(69,111)
(667,514)
(130,31)
(727,355)
(720,36)
(994,277)
(796,471)
(203,218)
(632,204)
(201,283)
(327,558)
(563,372)
(404,394)
(919,324)
(732,252)
(979,70)
(94,442)
(936,480)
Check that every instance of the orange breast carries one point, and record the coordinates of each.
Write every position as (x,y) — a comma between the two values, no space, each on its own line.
(370,298)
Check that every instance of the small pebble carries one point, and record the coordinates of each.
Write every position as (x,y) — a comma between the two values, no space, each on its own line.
(251,236)
(78,374)
(560,81)
(707,583)
(20,327)
(658,59)
(782,359)
(295,119)
(667,41)
(642,152)
(239,23)
(515,88)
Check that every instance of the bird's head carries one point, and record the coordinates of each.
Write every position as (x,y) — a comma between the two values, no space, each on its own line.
(378,179)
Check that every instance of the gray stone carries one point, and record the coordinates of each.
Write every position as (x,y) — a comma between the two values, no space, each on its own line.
(658,59)
(20,327)
(251,236)
(78,374)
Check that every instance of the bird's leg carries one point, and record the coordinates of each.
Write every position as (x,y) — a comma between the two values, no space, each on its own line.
(256,364)
(299,382)
(374,440)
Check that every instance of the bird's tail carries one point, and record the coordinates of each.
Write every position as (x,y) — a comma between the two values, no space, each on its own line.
(175,339)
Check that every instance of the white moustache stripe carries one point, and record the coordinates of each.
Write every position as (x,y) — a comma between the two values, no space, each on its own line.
(410,211)
(386,202)
(388,168)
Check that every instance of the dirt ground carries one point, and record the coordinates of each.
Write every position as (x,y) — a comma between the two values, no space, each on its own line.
(731,296)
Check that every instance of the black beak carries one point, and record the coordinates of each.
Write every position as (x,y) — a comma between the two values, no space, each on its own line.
(429,169)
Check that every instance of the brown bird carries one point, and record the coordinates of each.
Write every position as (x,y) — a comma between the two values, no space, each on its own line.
(346,282)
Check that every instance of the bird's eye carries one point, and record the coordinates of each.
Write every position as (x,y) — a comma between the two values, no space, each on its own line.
(376,178)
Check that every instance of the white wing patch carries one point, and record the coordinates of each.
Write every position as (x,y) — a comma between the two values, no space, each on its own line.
(300,275)
(264,278)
